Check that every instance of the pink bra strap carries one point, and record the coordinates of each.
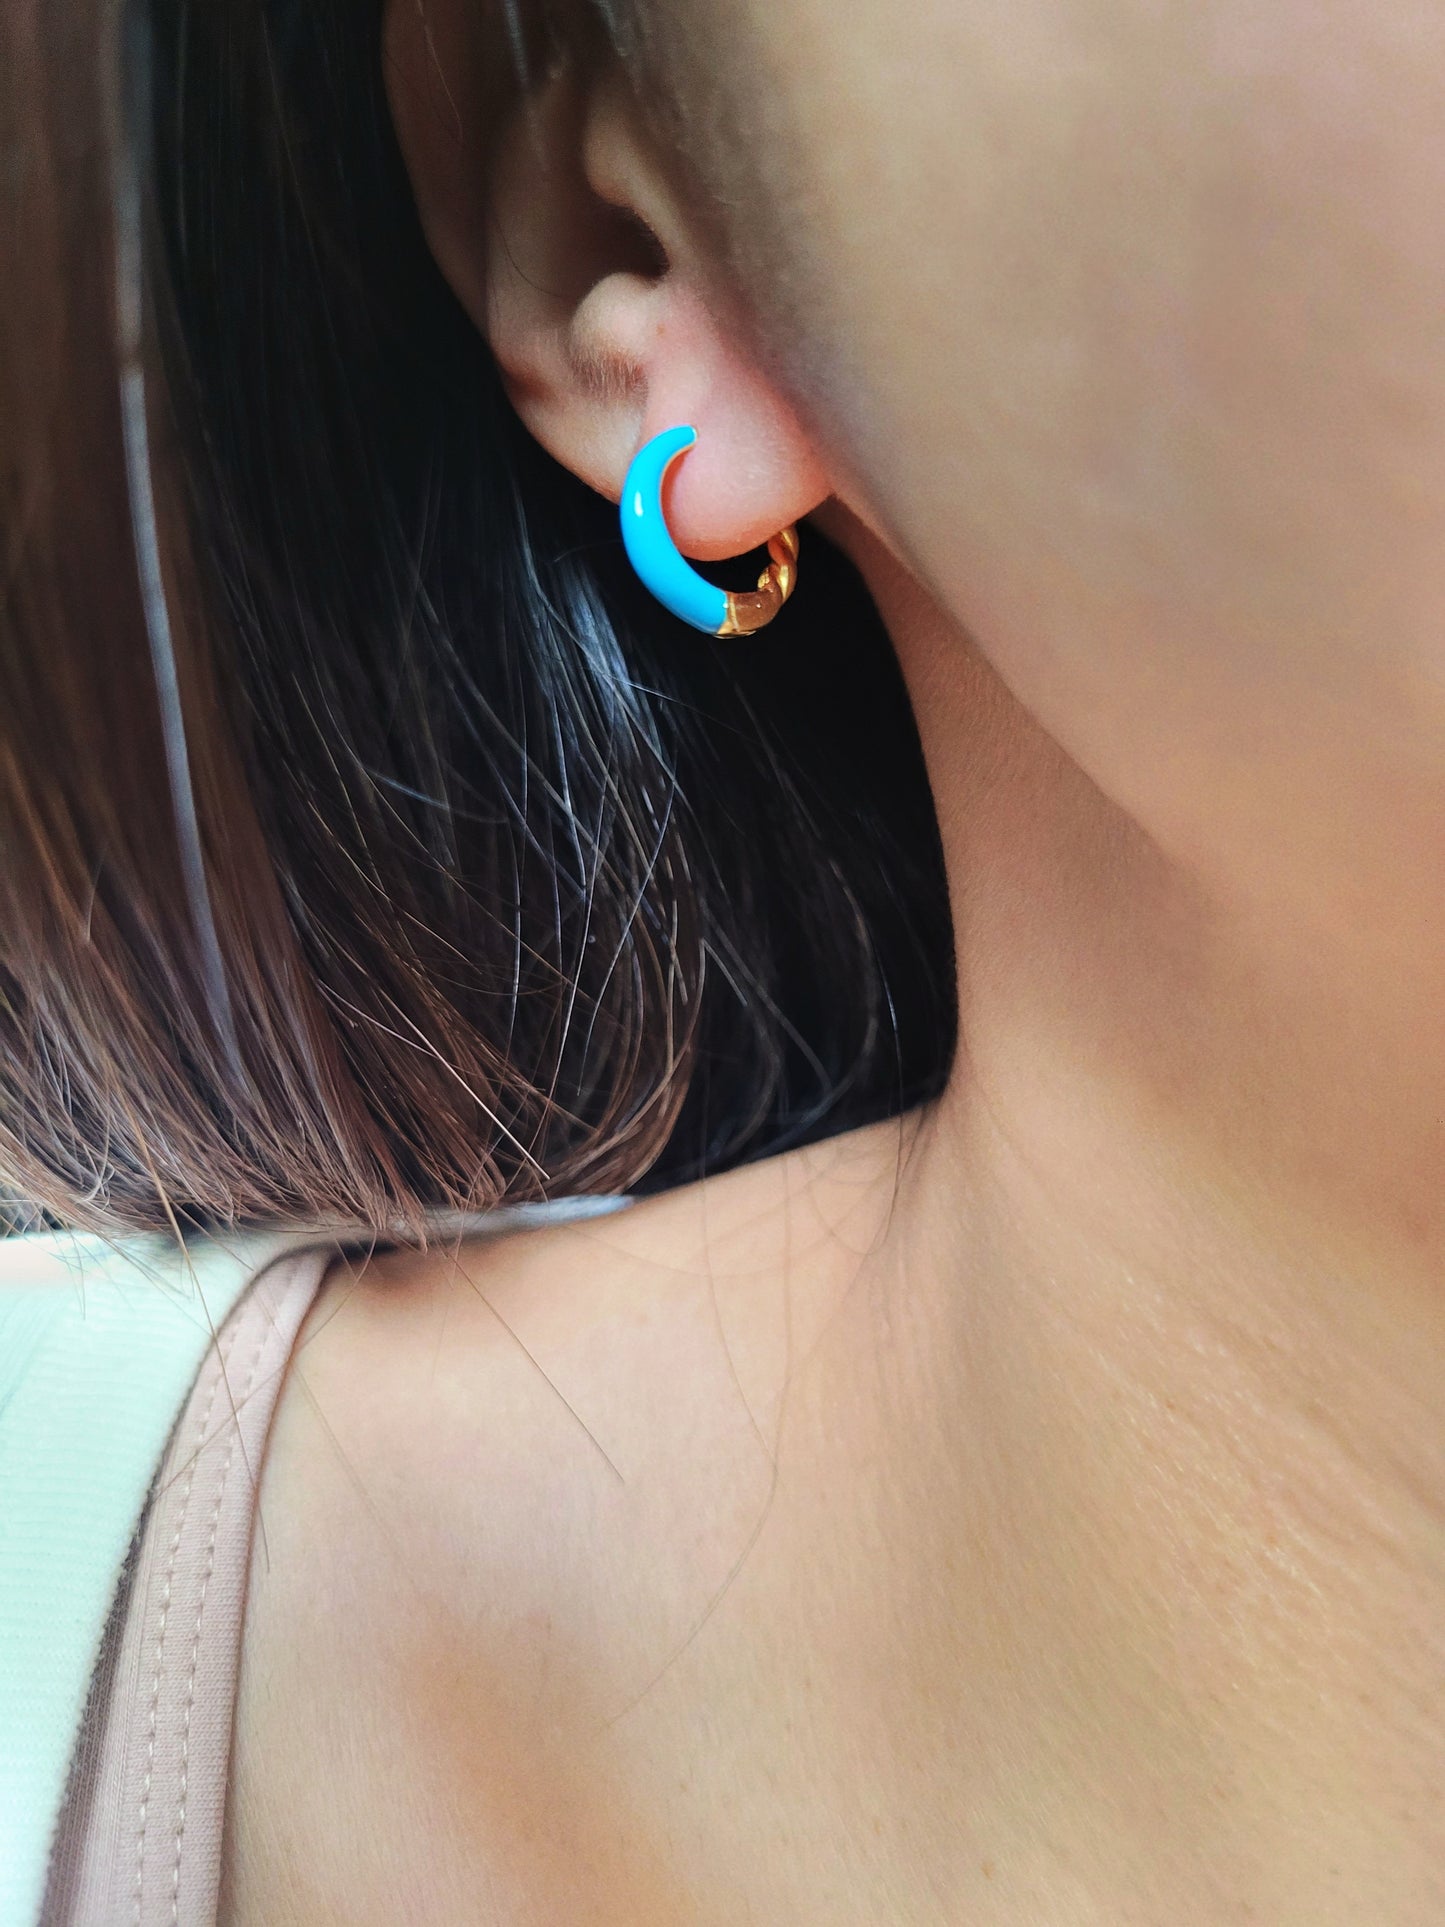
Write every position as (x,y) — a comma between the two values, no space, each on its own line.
(140,1838)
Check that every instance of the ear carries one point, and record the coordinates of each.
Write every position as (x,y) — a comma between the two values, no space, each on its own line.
(563,239)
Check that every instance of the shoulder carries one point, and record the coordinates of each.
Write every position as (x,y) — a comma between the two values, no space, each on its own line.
(439,1505)
(505,1475)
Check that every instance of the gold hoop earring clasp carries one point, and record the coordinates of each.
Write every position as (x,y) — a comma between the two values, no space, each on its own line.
(753,609)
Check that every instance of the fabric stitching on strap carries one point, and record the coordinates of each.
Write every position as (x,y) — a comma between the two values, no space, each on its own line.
(215,1521)
(175,1545)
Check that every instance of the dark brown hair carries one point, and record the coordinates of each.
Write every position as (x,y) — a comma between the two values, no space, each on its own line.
(368,842)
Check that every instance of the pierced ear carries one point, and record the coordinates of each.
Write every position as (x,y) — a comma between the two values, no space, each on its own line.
(564,241)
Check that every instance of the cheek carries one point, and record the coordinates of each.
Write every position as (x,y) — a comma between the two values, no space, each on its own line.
(1137,326)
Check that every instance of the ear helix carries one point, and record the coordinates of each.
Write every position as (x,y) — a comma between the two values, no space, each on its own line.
(676,584)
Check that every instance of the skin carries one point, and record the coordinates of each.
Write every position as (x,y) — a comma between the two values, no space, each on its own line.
(1033,1512)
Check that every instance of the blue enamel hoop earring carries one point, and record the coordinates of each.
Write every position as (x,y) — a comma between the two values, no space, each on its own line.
(676,584)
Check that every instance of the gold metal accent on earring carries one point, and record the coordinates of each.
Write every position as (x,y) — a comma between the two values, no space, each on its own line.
(753,609)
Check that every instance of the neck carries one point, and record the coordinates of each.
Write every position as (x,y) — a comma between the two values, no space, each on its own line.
(1173,1244)
(1037,1513)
